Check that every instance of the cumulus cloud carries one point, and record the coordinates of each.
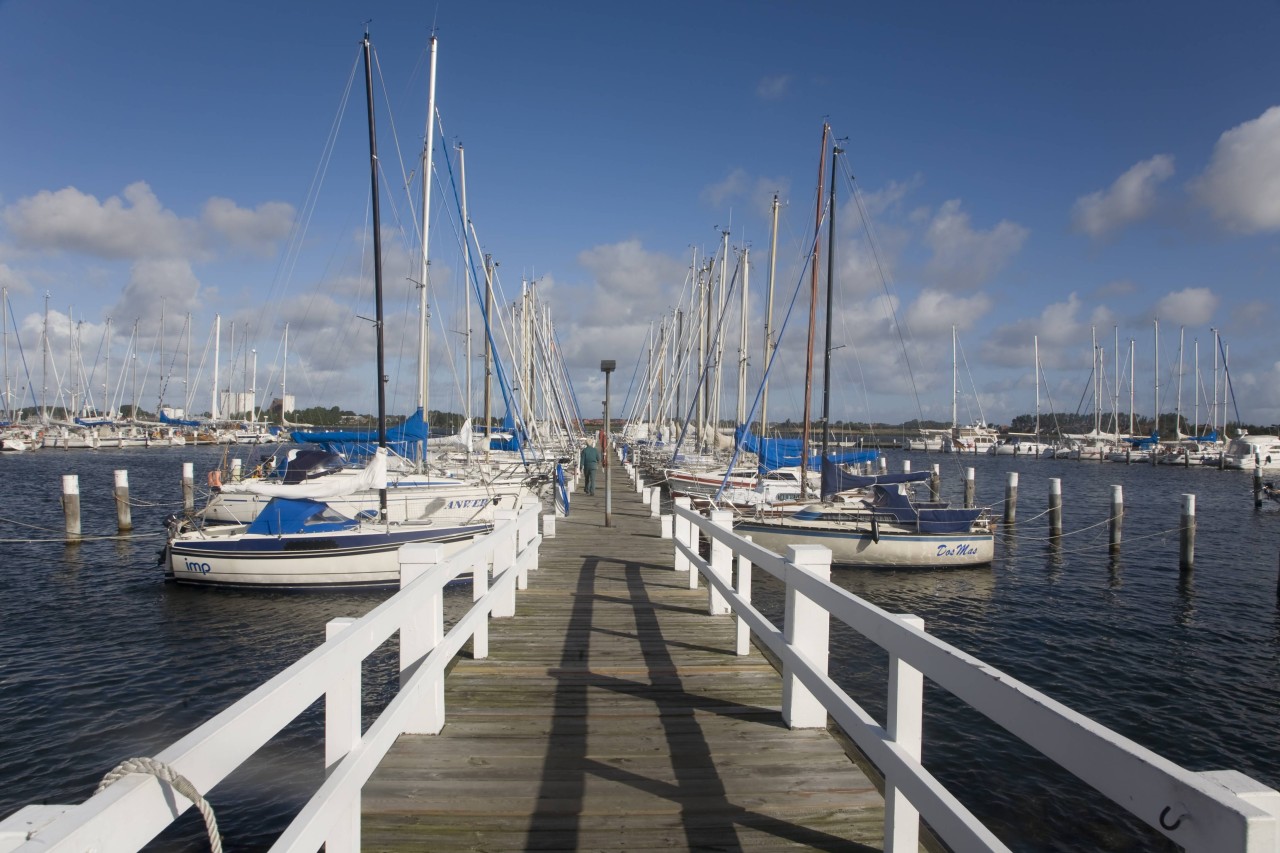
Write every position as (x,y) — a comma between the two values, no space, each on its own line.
(773,88)
(935,311)
(157,285)
(1241,186)
(1129,199)
(631,283)
(1063,331)
(132,226)
(965,257)
(13,280)
(255,230)
(756,192)
(1192,306)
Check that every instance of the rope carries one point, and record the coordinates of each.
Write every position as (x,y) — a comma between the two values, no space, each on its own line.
(176,781)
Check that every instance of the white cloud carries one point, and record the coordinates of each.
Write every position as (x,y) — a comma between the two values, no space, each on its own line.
(1129,199)
(134,226)
(1241,186)
(756,192)
(1064,336)
(13,280)
(1192,306)
(773,88)
(964,257)
(256,230)
(156,286)
(934,312)
(632,284)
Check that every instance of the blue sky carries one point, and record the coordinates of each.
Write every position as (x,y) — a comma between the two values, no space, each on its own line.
(1028,170)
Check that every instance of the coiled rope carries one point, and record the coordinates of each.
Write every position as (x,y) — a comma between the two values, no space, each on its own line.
(176,781)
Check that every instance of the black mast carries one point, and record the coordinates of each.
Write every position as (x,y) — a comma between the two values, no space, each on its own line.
(377,274)
(831,277)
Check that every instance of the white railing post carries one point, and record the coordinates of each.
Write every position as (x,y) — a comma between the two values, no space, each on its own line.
(807,632)
(906,728)
(341,735)
(549,524)
(742,583)
(506,544)
(664,525)
(655,502)
(721,563)
(683,529)
(420,633)
(1255,794)
(479,587)
(528,533)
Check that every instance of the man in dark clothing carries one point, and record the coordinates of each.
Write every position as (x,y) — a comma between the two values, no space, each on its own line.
(589,462)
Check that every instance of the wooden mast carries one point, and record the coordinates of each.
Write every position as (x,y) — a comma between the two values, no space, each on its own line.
(813,317)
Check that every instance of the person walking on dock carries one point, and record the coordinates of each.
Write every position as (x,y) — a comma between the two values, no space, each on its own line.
(590,462)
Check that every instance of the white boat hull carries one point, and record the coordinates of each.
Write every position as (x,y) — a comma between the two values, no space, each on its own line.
(856,547)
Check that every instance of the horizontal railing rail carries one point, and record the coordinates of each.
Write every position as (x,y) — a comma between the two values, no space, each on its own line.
(136,808)
(1214,812)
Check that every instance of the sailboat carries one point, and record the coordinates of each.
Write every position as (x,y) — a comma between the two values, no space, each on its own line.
(306,535)
(881,524)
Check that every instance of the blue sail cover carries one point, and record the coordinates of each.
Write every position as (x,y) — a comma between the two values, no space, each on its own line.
(93,422)
(514,442)
(775,453)
(1147,443)
(165,419)
(403,439)
(283,516)
(836,480)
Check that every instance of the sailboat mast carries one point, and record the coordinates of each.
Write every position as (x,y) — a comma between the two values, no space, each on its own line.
(1035,343)
(836,150)
(813,315)
(768,318)
(4,325)
(488,355)
(424,352)
(742,345)
(955,391)
(377,273)
(284,377)
(466,279)
(1177,414)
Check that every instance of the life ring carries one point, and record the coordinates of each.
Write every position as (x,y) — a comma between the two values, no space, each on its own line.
(215,479)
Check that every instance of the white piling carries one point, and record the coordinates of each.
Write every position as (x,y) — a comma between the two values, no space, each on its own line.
(188,486)
(1187,541)
(1117,516)
(71,505)
(124,513)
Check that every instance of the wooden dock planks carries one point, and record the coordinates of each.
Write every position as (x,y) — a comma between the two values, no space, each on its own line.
(613,714)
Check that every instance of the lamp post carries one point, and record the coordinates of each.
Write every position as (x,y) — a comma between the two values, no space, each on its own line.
(607,367)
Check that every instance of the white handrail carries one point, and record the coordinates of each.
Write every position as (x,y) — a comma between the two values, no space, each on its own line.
(1214,812)
(129,813)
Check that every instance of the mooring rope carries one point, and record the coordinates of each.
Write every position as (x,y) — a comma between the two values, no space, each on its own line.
(177,781)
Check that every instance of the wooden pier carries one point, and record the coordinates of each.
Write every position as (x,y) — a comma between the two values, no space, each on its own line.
(613,714)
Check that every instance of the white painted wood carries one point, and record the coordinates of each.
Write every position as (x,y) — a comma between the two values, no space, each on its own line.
(504,554)
(683,532)
(341,735)
(422,631)
(664,525)
(655,502)
(721,564)
(807,632)
(549,524)
(905,716)
(742,585)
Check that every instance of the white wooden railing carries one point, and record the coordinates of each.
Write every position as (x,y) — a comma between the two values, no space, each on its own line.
(133,810)
(1221,811)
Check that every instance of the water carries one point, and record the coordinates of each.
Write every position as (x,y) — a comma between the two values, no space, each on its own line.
(100,660)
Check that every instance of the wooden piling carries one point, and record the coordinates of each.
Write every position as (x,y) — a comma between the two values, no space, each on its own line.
(970,492)
(1117,516)
(1187,541)
(124,513)
(188,486)
(1257,487)
(1011,498)
(935,483)
(1055,509)
(906,466)
(71,505)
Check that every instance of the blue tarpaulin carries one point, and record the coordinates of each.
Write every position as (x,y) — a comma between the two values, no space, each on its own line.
(775,453)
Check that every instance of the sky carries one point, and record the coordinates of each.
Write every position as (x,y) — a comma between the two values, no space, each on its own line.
(1033,175)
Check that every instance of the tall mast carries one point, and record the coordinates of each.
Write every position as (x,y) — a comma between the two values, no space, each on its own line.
(768,318)
(284,377)
(377,273)
(836,150)
(1156,374)
(813,314)
(44,369)
(1097,413)
(214,414)
(4,325)
(488,354)
(955,392)
(742,346)
(466,278)
(1177,422)
(424,353)
(1035,342)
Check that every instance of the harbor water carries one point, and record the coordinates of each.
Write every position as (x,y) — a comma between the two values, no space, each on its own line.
(101,660)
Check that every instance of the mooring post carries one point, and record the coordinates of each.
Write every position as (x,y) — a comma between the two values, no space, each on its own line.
(124,514)
(970,491)
(1187,541)
(237,468)
(1257,487)
(1011,498)
(906,466)
(188,486)
(935,483)
(884,465)
(1117,516)
(71,505)
(1055,509)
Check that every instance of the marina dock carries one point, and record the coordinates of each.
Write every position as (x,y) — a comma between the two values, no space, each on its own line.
(613,713)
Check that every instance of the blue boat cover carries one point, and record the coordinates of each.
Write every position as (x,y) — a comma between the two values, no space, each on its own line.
(282,516)
(777,453)
(927,517)
(835,479)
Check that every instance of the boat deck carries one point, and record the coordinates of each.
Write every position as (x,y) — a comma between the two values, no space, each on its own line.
(613,714)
